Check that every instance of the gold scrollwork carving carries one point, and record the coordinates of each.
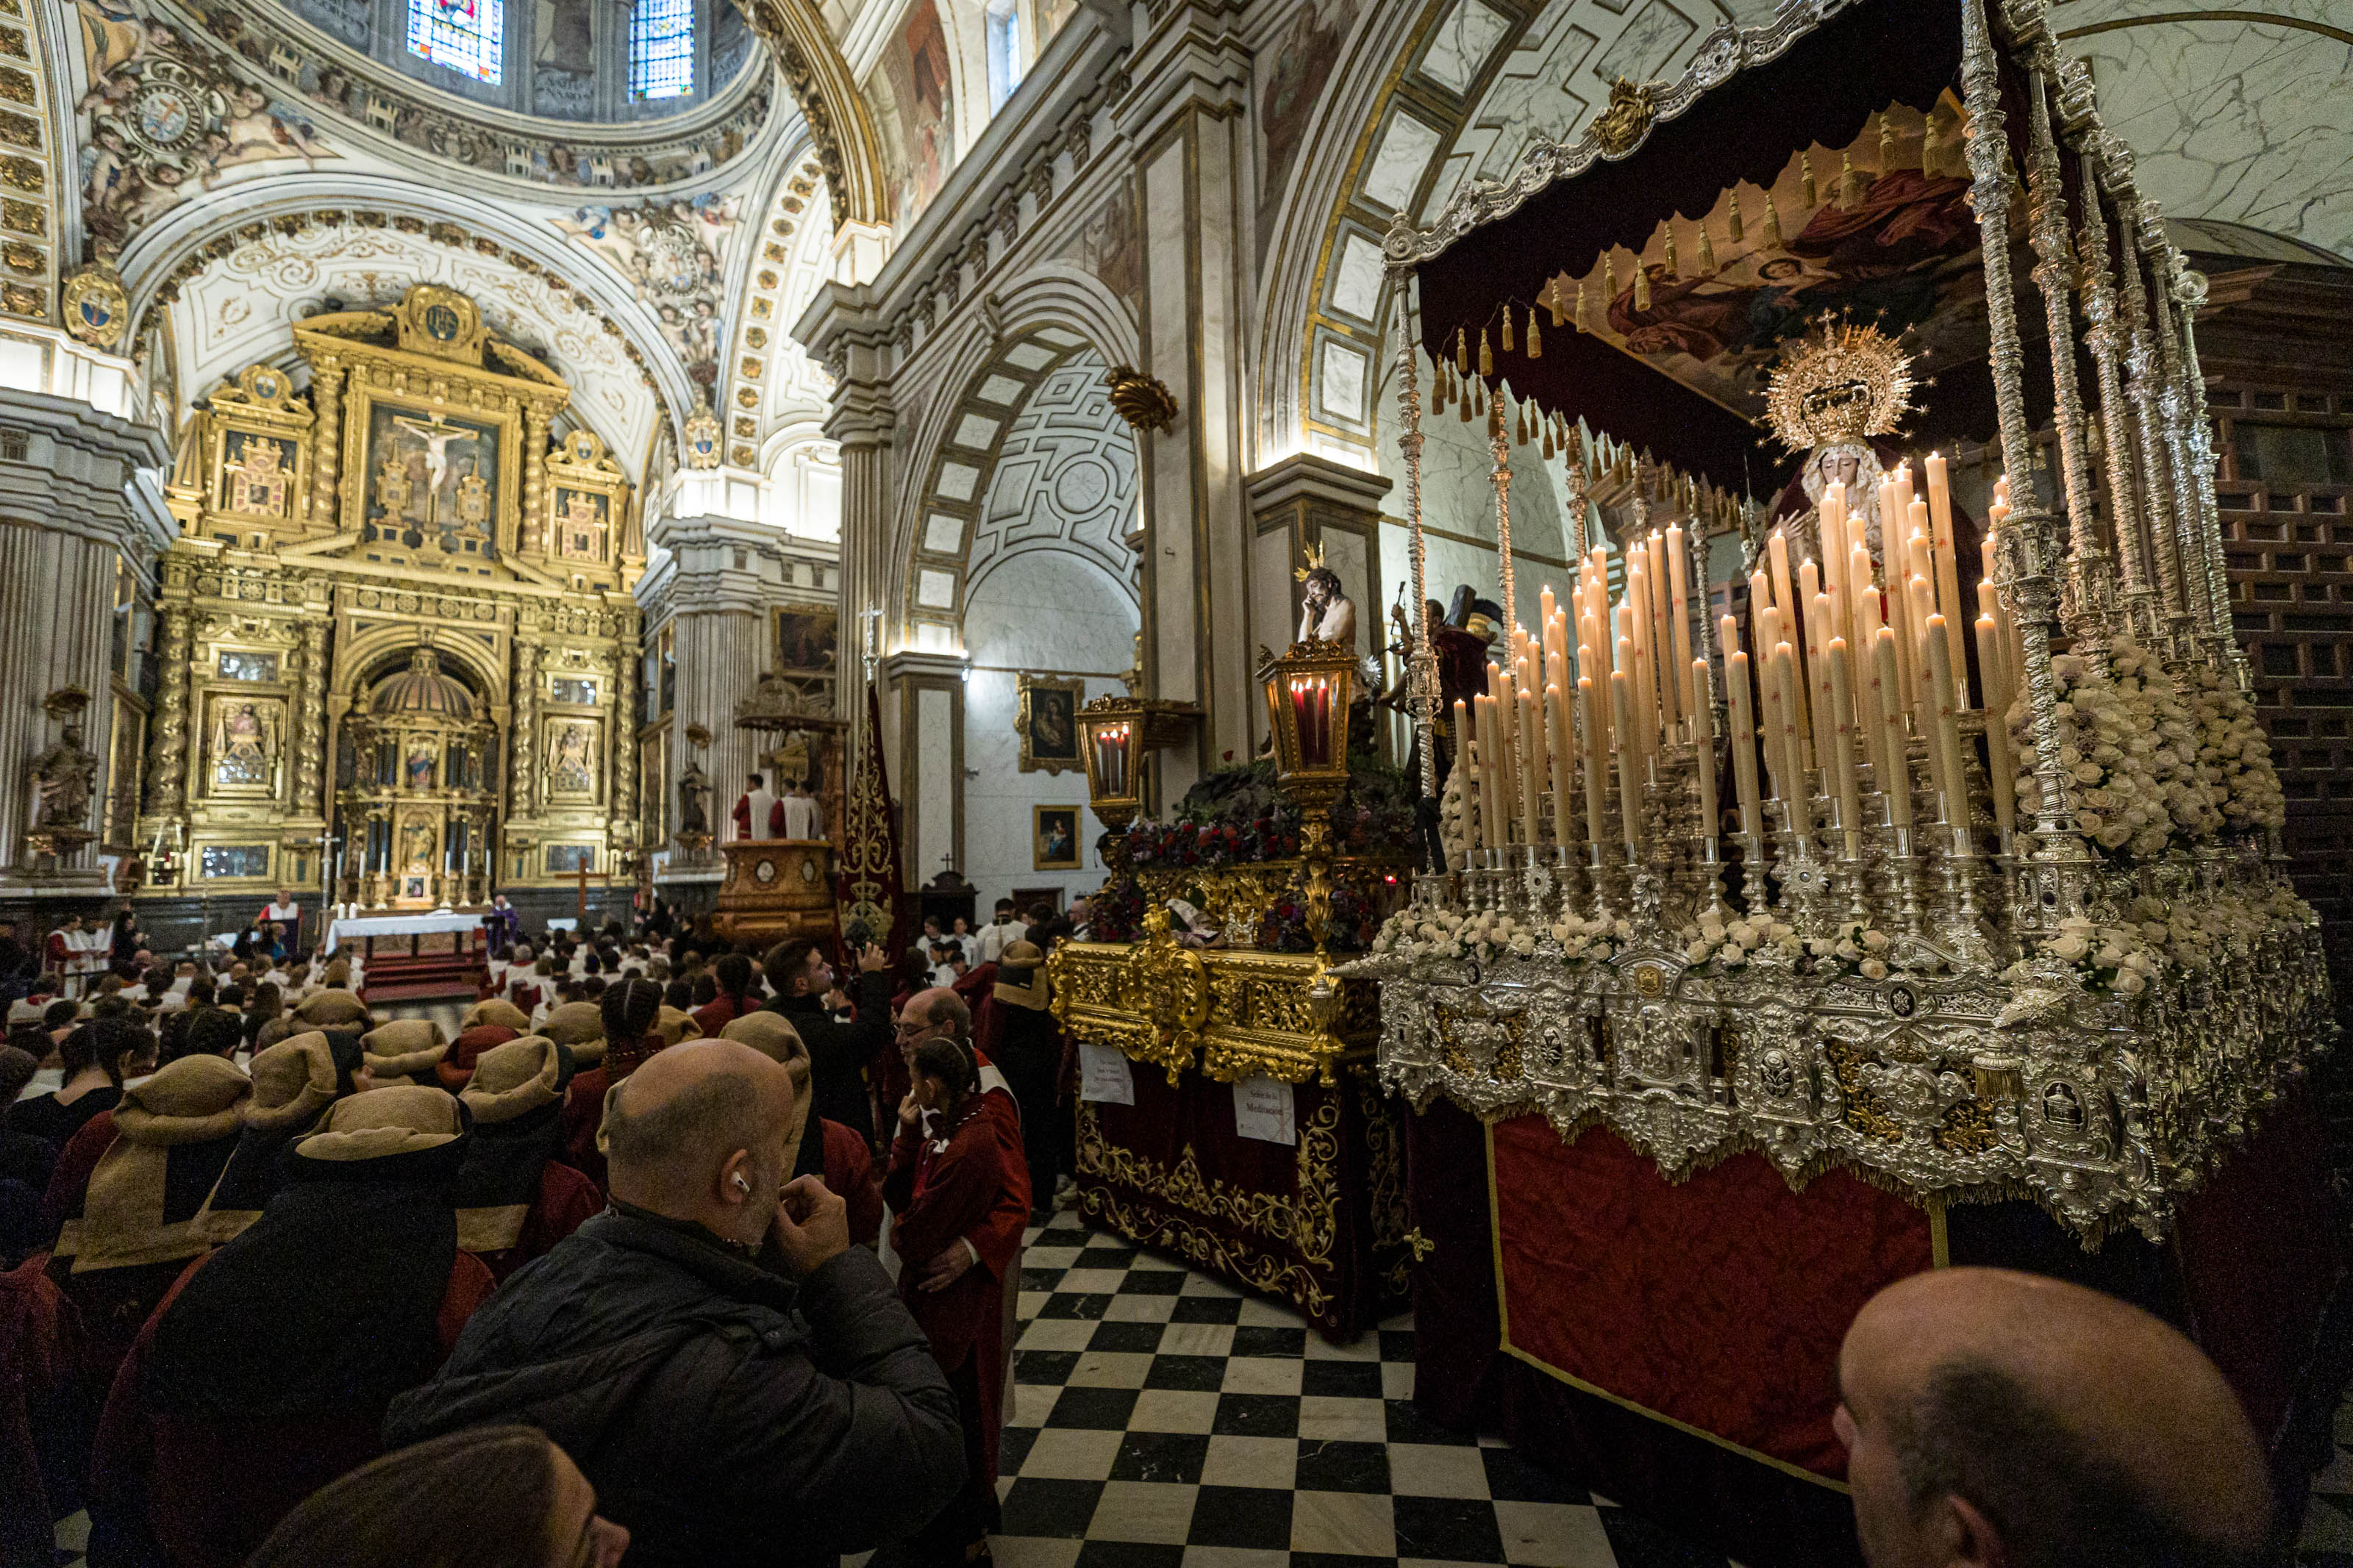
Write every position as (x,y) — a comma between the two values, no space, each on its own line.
(1304,1227)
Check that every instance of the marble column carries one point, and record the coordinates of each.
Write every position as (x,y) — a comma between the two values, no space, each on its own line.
(56,596)
(1188,116)
(923,692)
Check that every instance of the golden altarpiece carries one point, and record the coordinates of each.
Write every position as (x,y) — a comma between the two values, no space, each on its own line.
(398,643)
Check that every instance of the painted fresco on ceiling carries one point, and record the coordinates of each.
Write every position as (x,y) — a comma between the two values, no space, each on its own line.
(915,100)
(1300,64)
(1111,246)
(1872,232)
(163,116)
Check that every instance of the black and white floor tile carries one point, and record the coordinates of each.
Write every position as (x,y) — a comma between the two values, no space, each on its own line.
(1163,1419)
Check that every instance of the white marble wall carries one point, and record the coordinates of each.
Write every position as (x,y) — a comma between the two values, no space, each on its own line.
(2228,117)
(1053,612)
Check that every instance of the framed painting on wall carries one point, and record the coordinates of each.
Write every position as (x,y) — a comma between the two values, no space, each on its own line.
(1046,715)
(1054,839)
(807,636)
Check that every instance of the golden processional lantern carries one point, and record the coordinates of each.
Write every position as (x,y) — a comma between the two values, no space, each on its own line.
(1119,732)
(1308,692)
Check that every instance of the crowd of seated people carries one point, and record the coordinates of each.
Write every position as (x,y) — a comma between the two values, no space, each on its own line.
(286,1280)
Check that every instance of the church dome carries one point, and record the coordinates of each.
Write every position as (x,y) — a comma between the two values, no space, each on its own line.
(423,691)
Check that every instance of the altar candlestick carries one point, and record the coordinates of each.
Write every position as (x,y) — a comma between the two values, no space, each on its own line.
(1859,588)
(1768,724)
(1637,663)
(1785,594)
(1865,645)
(1947,721)
(1897,779)
(1545,606)
(1596,746)
(1818,634)
(1760,599)
(1949,585)
(1920,600)
(1743,736)
(1493,833)
(1850,788)
(1660,583)
(1834,542)
(1629,761)
(2000,678)
(1702,714)
(2000,768)
(1689,692)
(1507,750)
(1561,744)
(1796,795)
(1532,766)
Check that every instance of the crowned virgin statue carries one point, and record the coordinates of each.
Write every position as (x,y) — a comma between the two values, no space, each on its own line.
(1834,391)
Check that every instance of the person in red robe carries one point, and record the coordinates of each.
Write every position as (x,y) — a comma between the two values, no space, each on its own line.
(817,1145)
(948,1173)
(758,813)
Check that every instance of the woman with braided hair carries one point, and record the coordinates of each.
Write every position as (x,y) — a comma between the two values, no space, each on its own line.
(629,1009)
(945,1179)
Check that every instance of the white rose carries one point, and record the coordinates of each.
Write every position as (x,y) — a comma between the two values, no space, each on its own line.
(1877,941)
(1873,969)
(2110,956)
(1697,951)
(1523,944)
(2069,947)
(2128,982)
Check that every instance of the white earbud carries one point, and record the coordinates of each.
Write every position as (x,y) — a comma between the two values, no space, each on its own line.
(742,1186)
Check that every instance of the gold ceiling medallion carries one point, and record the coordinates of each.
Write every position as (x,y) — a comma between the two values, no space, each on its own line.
(96,309)
(702,438)
(1844,383)
(1619,128)
(1143,401)
(441,322)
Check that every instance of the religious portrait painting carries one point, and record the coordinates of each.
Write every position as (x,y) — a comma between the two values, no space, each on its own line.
(806,637)
(570,859)
(257,476)
(418,768)
(242,738)
(430,477)
(1046,715)
(420,840)
(912,90)
(572,760)
(236,664)
(1054,837)
(1877,232)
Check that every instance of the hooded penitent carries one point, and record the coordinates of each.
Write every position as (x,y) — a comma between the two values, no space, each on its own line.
(497,1010)
(294,1081)
(268,1371)
(405,1049)
(173,1134)
(326,1305)
(517,1101)
(457,1069)
(579,1025)
(671,1026)
(333,1007)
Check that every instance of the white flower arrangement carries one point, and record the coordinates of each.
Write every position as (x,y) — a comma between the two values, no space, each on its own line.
(1417,933)
(2129,751)
(2111,960)
(1858,949)
(1455,814)
(1732,944)
(2234,756)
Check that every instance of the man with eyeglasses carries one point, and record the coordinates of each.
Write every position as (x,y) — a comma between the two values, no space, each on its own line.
(838,1049)
(941,1013)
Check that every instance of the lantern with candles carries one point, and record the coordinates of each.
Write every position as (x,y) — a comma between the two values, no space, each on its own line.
(1118,733)
(1308,691)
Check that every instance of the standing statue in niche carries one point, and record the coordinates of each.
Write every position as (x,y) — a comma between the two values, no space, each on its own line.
(420,766)
(694,815)
(63,781)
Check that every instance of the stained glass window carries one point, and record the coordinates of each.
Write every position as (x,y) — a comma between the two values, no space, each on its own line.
(465,35)
(661,48)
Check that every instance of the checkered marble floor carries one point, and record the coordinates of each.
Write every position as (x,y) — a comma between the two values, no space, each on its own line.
(1163,1419)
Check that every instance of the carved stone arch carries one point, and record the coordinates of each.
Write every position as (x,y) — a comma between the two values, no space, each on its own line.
(839,123)
(195,232)
(1049,316)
